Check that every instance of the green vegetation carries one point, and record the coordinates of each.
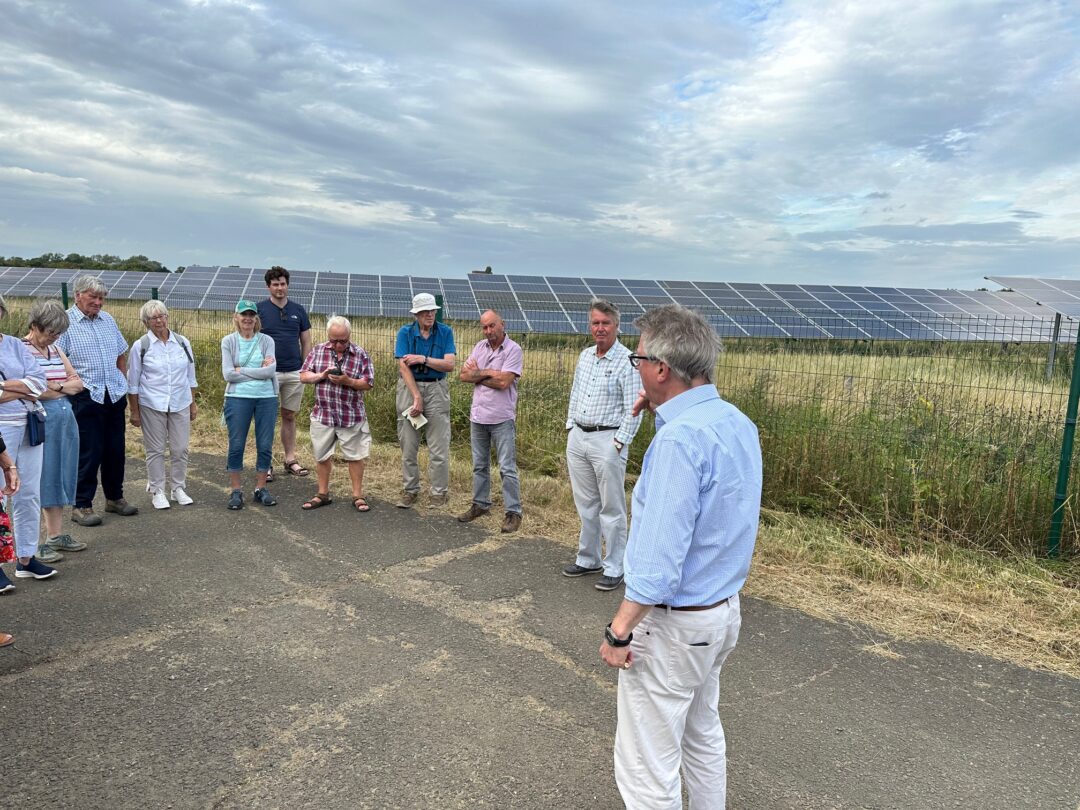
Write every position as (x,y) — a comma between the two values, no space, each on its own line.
(954,443)
(76,261)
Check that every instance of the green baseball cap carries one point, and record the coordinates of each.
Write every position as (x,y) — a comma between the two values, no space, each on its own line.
(243,305)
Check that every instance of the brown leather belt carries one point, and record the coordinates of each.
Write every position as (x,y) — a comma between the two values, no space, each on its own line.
(696,607)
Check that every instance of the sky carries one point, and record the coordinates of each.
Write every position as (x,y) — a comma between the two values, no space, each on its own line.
(892,142)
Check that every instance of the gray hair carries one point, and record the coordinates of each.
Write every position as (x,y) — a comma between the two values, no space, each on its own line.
(90,284)
(338,320)
(49,315)
(683,339)
(152,308)
(608,308)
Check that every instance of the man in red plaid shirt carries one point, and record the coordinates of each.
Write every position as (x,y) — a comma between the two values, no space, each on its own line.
(341,372)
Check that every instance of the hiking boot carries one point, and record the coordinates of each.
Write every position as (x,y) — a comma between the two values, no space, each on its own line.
(606,583)
(85,517)
(48,554)
(473,513)
(511,523)
(262,495)
(437,501)
(121,507)
(408,500)
(575,570)
(65,542)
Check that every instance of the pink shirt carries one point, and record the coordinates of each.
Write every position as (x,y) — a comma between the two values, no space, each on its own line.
(490,406)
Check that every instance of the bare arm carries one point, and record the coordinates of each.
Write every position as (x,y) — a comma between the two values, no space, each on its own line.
(305,343)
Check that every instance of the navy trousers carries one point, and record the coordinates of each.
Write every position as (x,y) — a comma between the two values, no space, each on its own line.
(101,447)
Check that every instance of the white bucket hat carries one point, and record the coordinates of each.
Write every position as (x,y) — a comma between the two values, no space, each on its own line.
(423,302)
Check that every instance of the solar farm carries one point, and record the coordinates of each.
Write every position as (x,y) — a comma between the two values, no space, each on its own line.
(937,413)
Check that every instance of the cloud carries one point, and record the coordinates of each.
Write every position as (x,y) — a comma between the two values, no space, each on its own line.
(768,141)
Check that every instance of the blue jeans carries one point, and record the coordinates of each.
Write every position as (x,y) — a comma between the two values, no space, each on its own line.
(238,414)
(505,436)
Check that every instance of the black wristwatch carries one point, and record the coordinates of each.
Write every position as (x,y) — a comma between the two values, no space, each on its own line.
(614,640)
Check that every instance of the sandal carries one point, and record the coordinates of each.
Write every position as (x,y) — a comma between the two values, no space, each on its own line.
(317,500)
(295,468)
(270,474)
(361,505)
(6,639)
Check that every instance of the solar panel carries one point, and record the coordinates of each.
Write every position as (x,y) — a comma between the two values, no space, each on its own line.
(1059,295)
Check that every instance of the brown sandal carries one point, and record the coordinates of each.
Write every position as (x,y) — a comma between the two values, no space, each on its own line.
(317,500)
(6,639)
(361,505)
(294,467)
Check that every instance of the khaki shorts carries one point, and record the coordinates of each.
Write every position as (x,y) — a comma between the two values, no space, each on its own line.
(355,441)
(292,390)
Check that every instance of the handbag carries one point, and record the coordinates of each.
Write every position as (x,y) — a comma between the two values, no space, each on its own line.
(35,426)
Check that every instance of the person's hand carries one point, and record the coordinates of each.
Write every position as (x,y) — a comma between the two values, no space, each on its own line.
(338,379)
(413,359)
(642,404)
(267,361)
(470,365)
(194,411)
(11,481)
(417,406)
(617,657)
(135,418)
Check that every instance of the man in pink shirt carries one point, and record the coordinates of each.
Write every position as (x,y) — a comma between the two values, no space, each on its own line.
(493,368)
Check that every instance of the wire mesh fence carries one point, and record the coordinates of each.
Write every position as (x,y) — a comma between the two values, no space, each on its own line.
(953,432)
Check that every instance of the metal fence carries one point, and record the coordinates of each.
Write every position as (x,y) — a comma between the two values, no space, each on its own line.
(956,440)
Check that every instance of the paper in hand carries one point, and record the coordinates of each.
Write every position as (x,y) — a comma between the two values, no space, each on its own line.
(416,421)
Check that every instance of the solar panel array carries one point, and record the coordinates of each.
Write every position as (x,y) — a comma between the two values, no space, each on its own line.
(555,304)
(1059,294)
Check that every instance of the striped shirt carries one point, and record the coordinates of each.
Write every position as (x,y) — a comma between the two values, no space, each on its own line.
(92,346)
(336,405)
(696,504)
(51,362)
(604,392)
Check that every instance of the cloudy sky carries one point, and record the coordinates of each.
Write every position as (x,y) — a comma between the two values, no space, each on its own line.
(885,142)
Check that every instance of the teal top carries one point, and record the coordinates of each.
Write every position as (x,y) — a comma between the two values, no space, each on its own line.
(250,354)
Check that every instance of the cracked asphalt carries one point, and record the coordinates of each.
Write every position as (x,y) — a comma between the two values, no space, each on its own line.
(202,658)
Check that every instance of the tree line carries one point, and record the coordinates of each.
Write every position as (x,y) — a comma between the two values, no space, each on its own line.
(76,261)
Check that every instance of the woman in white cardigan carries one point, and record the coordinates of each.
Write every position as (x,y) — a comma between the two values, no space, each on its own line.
(250,371)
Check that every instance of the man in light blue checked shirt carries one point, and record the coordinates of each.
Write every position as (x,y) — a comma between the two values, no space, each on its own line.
(600,428)
(696,509)
(98,352)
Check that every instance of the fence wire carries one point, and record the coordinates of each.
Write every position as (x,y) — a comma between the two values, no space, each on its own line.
(953,432)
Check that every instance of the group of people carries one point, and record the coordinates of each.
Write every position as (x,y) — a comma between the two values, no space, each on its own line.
(65,386)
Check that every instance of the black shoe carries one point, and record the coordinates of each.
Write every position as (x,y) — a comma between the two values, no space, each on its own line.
(575,570)
(236,500)
(263,496)
(606,583)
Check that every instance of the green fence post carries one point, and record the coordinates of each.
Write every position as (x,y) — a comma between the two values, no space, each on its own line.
(1053,542)
(439,304)
(64,294)
(153,293)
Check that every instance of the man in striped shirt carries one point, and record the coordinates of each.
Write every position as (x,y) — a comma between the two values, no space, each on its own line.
(600,426)
(696,509)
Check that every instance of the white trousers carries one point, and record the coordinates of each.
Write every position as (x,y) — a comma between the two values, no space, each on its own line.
(597,475)
(667,709)
(25,505)
(159,428)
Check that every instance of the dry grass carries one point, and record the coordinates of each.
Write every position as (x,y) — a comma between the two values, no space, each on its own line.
(1014,608)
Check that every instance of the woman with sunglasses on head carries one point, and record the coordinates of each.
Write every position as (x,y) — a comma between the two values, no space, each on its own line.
(60,463)
(250,371)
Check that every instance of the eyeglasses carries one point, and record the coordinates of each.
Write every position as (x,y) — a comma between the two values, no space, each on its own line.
(635,359)
(158,318)
(338,340)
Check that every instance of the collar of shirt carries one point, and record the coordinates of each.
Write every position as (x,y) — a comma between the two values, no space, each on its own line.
(677,405)
(79,315)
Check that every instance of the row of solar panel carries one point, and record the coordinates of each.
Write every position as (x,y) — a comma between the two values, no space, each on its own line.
(736,309)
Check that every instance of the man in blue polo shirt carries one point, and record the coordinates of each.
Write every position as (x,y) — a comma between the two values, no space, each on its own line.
(425,353)
(287,323)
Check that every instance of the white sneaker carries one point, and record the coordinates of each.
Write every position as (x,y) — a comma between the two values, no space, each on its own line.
(181,497)
(161,500)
